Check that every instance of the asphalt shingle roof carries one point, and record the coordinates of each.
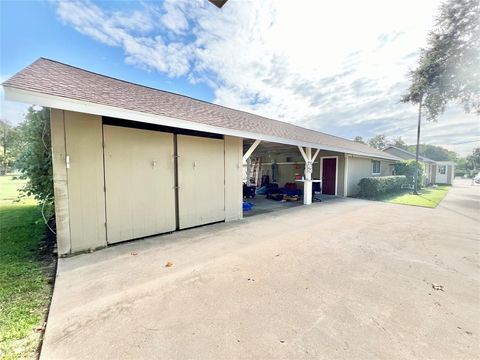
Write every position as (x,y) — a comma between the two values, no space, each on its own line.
(53,78)
(409,155)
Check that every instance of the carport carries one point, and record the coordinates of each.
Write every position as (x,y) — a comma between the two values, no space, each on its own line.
(130,161)
(281,175)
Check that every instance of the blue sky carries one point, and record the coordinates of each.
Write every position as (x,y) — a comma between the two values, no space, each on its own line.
(337,67)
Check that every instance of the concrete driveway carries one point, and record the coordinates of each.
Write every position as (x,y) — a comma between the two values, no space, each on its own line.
(347,279)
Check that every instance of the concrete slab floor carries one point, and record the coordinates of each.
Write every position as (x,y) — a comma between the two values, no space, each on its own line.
(262,205)
(347,279)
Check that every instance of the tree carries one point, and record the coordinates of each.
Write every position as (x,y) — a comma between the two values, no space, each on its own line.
(378,142)
(448,68)
(474,159)
(399,143)
(35,157)
(359,139)
(409,169)
(8,138)
(434,152)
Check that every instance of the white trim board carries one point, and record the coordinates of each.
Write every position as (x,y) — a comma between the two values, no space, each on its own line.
(63,103)
(336,171)
(345,177)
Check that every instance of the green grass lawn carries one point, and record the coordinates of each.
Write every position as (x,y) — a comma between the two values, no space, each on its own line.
(25,273)
(428,197)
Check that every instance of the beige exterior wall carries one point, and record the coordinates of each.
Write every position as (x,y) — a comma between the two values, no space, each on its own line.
(449,174)
(60,184)
(86,197)
(201,180)
(433,174)
(296,165)
(233,178)
(286,169)
(139,183)
(79,186)
(359,168)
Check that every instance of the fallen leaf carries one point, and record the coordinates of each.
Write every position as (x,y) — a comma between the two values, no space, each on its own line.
(40,328)
(169,264)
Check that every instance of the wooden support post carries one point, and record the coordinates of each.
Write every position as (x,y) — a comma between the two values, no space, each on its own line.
(250,150)
(246,162)
(307,185)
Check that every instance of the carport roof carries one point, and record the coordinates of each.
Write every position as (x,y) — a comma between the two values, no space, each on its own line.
(410,155)
(53,84)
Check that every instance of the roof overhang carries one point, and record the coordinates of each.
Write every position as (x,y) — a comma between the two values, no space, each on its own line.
(63,103)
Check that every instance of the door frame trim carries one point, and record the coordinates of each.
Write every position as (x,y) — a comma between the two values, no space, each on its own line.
(336,171)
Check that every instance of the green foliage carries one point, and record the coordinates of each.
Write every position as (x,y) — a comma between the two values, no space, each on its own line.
(474,159)
(8,148)
(378,142)
(464,167)
(399,143)
(359,139)
(372,187)
(24,273)
(448,67)
(35,157)
(434,152)
(408,168)
(430,197)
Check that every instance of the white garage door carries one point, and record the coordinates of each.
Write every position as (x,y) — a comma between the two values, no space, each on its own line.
(201,180)
(139,183)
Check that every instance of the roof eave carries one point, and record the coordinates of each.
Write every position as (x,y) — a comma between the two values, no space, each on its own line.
(58,102)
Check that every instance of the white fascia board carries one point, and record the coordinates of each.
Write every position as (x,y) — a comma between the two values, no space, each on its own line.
(63,103)
(353,155)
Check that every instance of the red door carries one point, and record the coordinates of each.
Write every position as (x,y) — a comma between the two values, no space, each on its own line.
(329,171)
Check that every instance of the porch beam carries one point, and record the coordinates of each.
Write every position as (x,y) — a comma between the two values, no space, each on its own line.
(250,150)
(315,155)
(303,153)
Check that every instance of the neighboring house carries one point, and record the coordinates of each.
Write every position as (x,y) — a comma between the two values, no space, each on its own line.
(131,161)
(429,164)
(436,172)
(445,172)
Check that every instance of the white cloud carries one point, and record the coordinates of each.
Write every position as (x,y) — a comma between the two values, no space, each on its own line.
(339,65)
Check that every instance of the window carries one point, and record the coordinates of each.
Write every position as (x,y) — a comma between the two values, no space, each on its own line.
(442,169)
(375,167)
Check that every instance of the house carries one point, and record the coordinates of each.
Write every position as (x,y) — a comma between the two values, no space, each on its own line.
(428,164)
(131,161)
(445,172)
(436,172)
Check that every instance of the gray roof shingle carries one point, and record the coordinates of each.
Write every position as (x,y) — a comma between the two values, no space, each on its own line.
(407,155)
(53,78)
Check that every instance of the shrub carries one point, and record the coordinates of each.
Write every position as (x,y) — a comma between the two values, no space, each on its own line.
(371,187)
(407,168)
(35,155)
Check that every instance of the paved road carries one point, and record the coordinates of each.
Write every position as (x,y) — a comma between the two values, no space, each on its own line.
(347,279)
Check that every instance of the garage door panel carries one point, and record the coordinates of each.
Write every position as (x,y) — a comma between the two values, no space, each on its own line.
(139,181)
(201,180)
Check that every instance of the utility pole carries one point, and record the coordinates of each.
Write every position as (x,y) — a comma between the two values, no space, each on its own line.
(415,177)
